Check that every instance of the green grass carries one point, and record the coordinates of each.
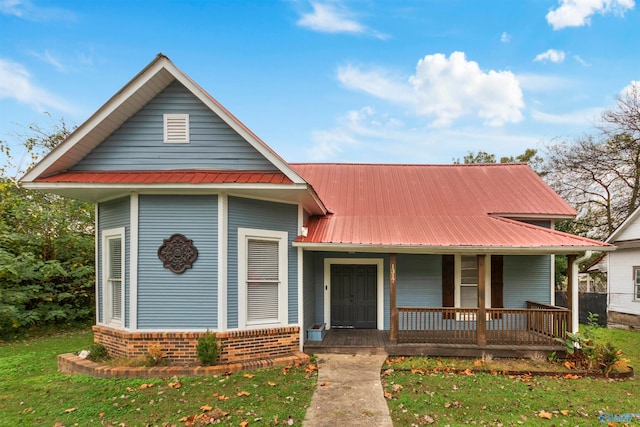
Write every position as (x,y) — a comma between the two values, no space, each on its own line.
(32,392)
(426,396)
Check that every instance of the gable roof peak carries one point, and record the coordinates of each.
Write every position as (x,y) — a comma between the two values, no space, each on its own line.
(147,84)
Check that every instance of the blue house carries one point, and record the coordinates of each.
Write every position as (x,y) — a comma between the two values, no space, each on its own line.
(201,226)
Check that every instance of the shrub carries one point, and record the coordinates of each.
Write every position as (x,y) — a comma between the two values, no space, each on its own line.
(155,356)
(208,349)
(98,352)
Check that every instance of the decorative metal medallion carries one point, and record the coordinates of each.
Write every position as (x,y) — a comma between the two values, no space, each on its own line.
(177,253)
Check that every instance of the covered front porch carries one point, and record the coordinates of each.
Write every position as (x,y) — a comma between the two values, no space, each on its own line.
(372,341)
(427,329)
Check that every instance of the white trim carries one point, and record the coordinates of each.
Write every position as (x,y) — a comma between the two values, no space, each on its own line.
(133,261)
(458,280)
(300,270)
(630,219)
(97,242)
(223,241)
(446,250)
(244,234)
(356,261)
(106,301)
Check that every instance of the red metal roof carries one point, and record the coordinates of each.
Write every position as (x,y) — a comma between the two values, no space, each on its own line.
(434,205)
(169,177)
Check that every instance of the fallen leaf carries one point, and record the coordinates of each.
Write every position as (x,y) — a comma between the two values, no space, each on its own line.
(324,384)
(58,424)
(244,393)
(244,424)
(249,376)
(143,386)
(310,368)
(546,415)
(205,408)
(387,395)
(70,410)
(223,397)
(564,412)
(271,384)
(466,372)
(175,385)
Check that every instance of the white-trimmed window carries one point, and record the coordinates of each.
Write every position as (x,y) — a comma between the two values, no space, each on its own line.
(113,263)
(468,288)
(636,283)
(466,284)
(176,128)
(262,277)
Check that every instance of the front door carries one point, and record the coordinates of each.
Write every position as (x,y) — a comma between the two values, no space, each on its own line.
(354,296)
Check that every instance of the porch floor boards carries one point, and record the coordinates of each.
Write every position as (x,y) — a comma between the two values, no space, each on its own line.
(372,341)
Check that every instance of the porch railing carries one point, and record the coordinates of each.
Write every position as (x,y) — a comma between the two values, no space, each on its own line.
(538,324)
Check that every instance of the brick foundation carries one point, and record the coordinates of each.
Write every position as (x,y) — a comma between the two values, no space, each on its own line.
(180,347)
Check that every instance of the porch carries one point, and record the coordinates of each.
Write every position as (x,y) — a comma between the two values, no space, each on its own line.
(455,332)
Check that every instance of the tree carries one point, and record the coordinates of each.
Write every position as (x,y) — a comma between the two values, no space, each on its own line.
(46,249)
(530,156)
(600,174)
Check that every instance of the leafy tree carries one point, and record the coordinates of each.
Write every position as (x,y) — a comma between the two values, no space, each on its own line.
(46,249)
(530,156)
(600,174)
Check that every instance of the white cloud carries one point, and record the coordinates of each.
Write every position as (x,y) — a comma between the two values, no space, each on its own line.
(50,59)
(631,88)
(542,83)
(552,55)
(445,89)
(577,13)
(505,37)
(26,10)
(15,83)
(580,117)
(334,18)
(581,61)
(365,135)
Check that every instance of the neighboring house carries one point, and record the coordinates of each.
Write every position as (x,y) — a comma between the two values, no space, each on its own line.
(623,274)
(593,276)
(201,226)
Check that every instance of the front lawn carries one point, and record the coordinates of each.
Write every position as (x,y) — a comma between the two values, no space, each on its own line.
(444,392)
(34,393)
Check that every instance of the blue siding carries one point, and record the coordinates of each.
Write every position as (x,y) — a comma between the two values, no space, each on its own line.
(167,300)
(262,215)
(526,278)
(114,214)
(138,143)
(309,289)
(419,280)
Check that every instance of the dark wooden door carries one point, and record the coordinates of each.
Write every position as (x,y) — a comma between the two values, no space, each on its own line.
(354,296)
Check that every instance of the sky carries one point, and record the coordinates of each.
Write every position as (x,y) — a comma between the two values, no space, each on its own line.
(364,81)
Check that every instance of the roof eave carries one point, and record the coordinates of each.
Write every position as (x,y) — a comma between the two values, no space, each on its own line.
(427,249)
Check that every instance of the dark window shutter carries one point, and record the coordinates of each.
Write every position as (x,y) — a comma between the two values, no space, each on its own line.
(448,279)
(496,281)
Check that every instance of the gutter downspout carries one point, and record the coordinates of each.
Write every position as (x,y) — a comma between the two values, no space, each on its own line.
(575,311)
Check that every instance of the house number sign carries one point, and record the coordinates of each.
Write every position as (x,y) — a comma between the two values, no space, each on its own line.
(177,253)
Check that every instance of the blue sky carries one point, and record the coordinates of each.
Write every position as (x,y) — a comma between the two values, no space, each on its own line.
(421,81)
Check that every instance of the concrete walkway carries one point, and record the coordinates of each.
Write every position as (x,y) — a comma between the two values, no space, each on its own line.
(349,392)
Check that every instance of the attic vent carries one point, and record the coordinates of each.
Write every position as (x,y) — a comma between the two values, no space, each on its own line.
(176,128)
